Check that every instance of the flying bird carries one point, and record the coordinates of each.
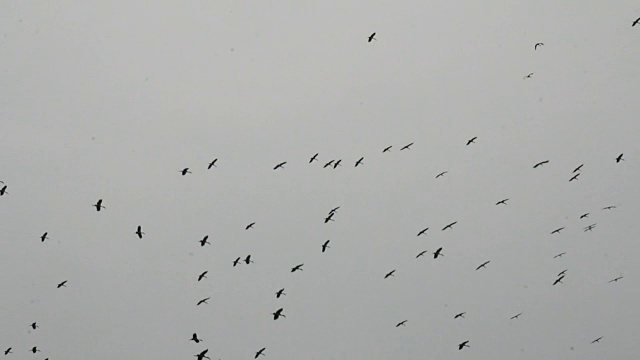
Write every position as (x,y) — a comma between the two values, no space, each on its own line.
(619,158)
(34,326)
(44,237)
(562,272)
(325,246)
(423,231)
(249,226)
(62,284)
(387,148)
(185,171)
(359,161)
(589,228)
(260,352)
(516,316)
(438,253)
(636,22)
(337,163)
(3,190)
(329,218)
(472,140)
(248,260)
(578,168)
(528,76)
(8,351)
(441,174)
(34,349)
(449,226)
(277,314)
(371,37)
(483,265)
(314,158)
(390,273)
(236,261)
(503,202)
(540,163)
(212,164)
(406,147)
(139,232)
(203,355)
(328,164)
(334,210)
(281,165)
(558,280)
(574,177)
(559,255)
(297,268)
(203,275)
(463,344)
(616,279)
(99,206)
(609,207)
(280,293)
(535,47)
(204,241)
(401,323)
(203,301)
(194,338)
(597,340)
(557,231)
(460,315)
(585,215)
(421,253)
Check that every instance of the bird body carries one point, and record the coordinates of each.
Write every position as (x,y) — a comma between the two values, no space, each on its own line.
(281,165)
(203,275)
(371,37)
(44,237)
(314,158)
(325,246)
(540,164)
(98,205)
(203,301)
(297,268)
(139,232)
(390,273)
(483,265)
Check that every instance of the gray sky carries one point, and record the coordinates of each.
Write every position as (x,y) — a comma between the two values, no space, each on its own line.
(111,100)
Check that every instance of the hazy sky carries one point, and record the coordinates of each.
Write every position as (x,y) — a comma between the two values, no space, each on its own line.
(110,100)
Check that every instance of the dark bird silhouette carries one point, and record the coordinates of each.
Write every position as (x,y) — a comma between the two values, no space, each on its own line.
(204,241)
(277,314)
(472,140)
(562,272)
(314,158)
(328,164)
(8,351)
(248,260)
(99,206)
(449,226)
(441,174)
(463,345)
(203,355)
(3,190)
(62,284)
(401,323)
(34,349)
(212,164)
(44,237)
(503,202)
(597,340)
(559,255)
(249,226)
(535,47)
(589,228)
(194,338)
(558,280)
(281,165)
(528,76)
(280,293)
(203,301)
(557,231)
(438,253)
(185,171)
(325,246)
(423,231)
(139,232)
(329,218)
(421,253)
(460,315)
(483,265)
(636,22)
(616,279)
(34,326)
(236,261)
(406,147)
(334,210)
(574,177)
(387,148)
(619,158)
(516,316)
(371,37)
(390,273)
(540,163)
(337,163)
(585,215)
(297,268)
(609,207)
(359,161)
(578,168)
(260,352)
(203,275)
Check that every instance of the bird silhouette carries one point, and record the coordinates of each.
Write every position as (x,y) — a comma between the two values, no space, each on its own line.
(438,253)
(278,313)
(406,147)
(472,140)
(204,241)
(616,279)
(387,148)
(325,246)
(359,161)
(460,315)
(247,260)
(194,338)
(34,326)
(574,177)
(540,164)
(559,255)
(260,352)
(503,202)
(185,171)
(562,272)
(203,301)
(390,273)
(597,340)
(589,228)
(297,268)
(516,316)
(483,265)
(337,163)
(202,355)
(619,158)
(636,22)
(328,164)
(99,206)
(528,76)
(249,226)
(212,164)
(535,47)
(585,215)
(578,168)
(236,261)
(44,237)
(558,280)
(463,345)
(139,232)
(421,253)
(62,284)
(441,174)
(557,231)
(609,207)
(203,275)
(334,210)
(281,165)
(329,218)
(34,349)
(402,323)
(314,158)
(280,293)
(3,190)
(371,37)
(8,351)
(449,226)
(423,231)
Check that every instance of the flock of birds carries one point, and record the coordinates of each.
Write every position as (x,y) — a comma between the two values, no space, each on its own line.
(279,313)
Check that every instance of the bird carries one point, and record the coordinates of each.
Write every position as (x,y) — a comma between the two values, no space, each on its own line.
(34,326)
(585,215)
(194,338)
(277,314)
(34,349)
(248,260)
(516,316)
(325,246)
(578,168)
(203,301)
(609,207)
(203,275)
(236,261)
(280,293)
(249,226)
(463,344)
(559,255)
(334,210)
(597,340)
(616,279)
(372,37)
(185,171)
(329,218)
(441,174)
(562,272)
(297,268)
(62,284)
(390,273)
(8,351)
(421,253)
(438,253)
(328,164)
(557,231)
(359,161)
(212,164)
(3,190)
(483,265)
(260,352)
(139,232)
(99,206)
(636,22)
(449,226)
(204,241)
(503,202)
(589,228)
(281,165)
(540,163)
(406,147)
(423,231)
(387,148)
(472,140)
(535,47)
(337,163)
(619,158)
(460,315)
(202,355)
(314,158)
(401,323)
(574,177)
(558,280)
(44,237)
(528,76)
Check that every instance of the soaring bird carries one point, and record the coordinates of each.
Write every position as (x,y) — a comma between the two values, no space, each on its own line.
(203,301)
(281,165)
(3,190)
(387,148)
(460,315)
(503,202)
(328,164)
(557,231)
(44,237)
(597,340)
(578,168)
(402,323)
(34,326)
(438,253)
(359,161)
(314,158)
(8,351)
(562,272)
(202,355)
(574,177)
(421,253)
(204,241)
(277,314)
(528,76)
(203,275)
(463,344)
(609,207)
(540,163)
(139,232)
(185,171)
(249,226)
(406,147)
(297,268)
(260,352)
(280,293)
(616,279)
(423,231)
(194,338)
(449,226)
(483,265)
(589,228)
(558,280)
(334,210)
(371,37)
(619,158)
(325,246)
(636,22)
(212,164)
(559,255)
(472,140)
(441,174)
(248,260)
(337,163)
(585,215)
(62,284)
(236,261)
(390,273)
(516,316)
(34,349)
(329,218)
(535,47)
(98,205)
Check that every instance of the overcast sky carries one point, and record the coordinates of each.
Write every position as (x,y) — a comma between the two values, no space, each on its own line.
(110,100)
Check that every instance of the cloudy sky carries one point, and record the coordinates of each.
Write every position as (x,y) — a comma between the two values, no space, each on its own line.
(110,100)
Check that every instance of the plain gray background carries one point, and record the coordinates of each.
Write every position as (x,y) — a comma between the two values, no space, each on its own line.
(112,99)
